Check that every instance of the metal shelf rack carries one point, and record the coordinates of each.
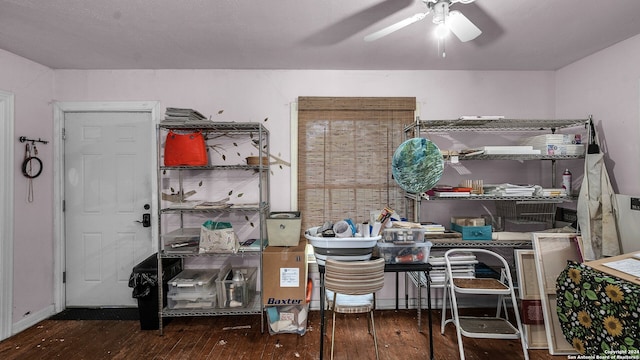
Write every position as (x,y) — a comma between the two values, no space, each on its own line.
(494,125)
(497,125)
(254,133)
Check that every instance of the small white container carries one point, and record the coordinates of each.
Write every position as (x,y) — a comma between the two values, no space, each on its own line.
(283,228)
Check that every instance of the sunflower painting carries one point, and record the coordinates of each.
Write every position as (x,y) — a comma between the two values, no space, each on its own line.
(598,313)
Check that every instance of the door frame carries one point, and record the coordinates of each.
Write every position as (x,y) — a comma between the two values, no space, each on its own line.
(7,163)
(59,110)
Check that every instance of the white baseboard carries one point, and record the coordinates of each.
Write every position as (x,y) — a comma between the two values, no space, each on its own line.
(33,319)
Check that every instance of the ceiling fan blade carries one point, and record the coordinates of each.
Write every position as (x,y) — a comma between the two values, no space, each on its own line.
(395,27)
(462,27)
(344,28)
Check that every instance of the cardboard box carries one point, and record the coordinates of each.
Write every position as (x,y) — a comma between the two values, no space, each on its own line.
(285,273)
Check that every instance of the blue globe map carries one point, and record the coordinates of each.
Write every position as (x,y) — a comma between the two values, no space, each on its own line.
(417,165)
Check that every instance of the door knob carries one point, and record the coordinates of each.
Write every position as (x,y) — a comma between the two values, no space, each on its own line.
(146,220)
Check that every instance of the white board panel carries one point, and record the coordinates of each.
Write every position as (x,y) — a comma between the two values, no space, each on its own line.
(628,224)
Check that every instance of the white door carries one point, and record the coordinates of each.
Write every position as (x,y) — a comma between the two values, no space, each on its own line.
(107,191)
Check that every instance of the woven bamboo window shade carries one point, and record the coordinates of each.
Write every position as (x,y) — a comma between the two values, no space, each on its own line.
(345,146)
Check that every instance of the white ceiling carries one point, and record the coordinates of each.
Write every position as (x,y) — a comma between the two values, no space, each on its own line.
(306,34)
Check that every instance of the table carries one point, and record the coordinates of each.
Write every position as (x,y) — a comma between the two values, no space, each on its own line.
(598,312)
(426,268)
(600,265)
(393,268)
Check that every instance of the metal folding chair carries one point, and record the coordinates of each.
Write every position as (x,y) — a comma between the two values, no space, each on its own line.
(481,327)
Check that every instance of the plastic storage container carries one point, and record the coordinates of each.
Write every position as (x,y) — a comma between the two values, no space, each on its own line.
(400,235)
(144,280)
(177,301)
(193,289)
(194,281)
(182,241)
(405,253)
(236,288)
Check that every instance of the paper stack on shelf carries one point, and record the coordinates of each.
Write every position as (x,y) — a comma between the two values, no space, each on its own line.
(553,192)
(512,190)
(451,193)
(556,144)
(510,150)
(463,266)
(433,228)
(182,115)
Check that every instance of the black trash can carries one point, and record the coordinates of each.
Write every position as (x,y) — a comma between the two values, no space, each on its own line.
(144,281)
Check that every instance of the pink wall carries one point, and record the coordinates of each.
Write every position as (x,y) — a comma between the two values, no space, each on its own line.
(607,85)
(32,85)
(253,95)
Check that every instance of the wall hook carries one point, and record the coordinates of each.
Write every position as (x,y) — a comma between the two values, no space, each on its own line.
(24,138)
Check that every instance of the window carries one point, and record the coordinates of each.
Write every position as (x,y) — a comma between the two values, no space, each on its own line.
(345,146)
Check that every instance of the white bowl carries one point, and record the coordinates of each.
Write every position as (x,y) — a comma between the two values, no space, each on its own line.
(362,246)
(340,243)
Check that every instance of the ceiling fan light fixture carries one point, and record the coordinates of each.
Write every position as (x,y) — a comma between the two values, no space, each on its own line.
(442,30)
(440,12)
(446,21)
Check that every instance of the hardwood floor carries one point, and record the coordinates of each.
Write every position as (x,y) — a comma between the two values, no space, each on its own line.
(206,338)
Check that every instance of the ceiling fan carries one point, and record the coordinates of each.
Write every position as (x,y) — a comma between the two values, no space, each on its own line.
(445,20)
